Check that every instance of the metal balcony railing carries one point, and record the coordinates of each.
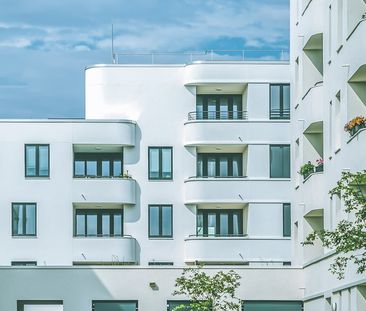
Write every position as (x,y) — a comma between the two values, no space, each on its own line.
(217,115)
(216,177)
(280,114)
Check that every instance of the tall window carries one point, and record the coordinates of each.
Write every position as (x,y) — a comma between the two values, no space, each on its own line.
(37,162)
(160,221)
(24,219)
(280,161)
(98,222)
(286,219)
(219,165)
(111,305)
(279,101)
(98,164)
(219,222)
(160,163)
(220,107)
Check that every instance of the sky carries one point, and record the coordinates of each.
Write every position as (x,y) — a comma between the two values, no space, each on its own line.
(45,45)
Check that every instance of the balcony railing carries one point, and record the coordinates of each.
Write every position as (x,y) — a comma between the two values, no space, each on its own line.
(217,115)
(280,114)
(213,177)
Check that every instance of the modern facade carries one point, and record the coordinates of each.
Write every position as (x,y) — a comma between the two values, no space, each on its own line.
(328,64)
(178,165)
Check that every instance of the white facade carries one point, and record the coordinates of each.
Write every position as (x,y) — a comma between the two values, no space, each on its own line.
(328,82)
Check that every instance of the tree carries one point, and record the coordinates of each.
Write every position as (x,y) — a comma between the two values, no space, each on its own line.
(208,293)
(349,237)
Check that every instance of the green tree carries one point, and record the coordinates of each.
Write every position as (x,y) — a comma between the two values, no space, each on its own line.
(349,237)
(208,293)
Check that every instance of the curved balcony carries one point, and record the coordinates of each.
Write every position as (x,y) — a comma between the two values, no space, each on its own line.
(95,132)
(235,131)
(236,249)
(315,183)
(106,190)
(113,250)
(312,19)
(235,190)
(311,108)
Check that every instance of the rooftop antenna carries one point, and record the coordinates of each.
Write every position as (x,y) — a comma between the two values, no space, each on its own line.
(113,54)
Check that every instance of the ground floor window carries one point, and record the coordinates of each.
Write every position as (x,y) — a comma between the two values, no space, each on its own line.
(272,306)
(114,305)
(40,305)
(175,303)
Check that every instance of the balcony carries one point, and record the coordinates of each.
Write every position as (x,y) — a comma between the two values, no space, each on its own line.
(309,108)
(236,249)
(315,183)
(91,132)
(234,131)
(235,190)
(106,190)
(112,250)
(312,18)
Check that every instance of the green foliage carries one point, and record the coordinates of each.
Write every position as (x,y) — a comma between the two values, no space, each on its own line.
(208,293)
(349,237)
(306,168)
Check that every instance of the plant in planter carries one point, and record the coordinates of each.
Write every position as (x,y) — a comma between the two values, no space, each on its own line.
(307,169)
(125,175)
(355,125)
(319,165)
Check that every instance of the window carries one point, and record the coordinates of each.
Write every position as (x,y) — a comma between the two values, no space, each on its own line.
(160,163)
(98,222)
(219,107)
(172,304)
(272,306)
(280,161)
(160,221)
(219,165)
(287,220)
(37,162)
(24,219)
(279,101)
(24,263)
(111,305)
(37,305)
(98,165)
(219,222)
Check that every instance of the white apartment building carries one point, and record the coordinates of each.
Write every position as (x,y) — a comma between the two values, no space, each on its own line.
(176,165)
(328,62)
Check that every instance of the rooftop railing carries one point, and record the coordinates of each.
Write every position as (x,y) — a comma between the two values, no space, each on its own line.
(197,56)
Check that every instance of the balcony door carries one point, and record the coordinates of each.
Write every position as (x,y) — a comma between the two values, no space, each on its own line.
(219,107)
(219,165)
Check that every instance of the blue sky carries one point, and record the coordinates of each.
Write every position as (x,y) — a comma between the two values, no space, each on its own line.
(45,45)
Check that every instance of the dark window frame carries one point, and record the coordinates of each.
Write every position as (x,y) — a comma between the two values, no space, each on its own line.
(286,233)
(282,113)
(37,175)
(99,157)
(24,222)
(99,213)
(230,156)
(30,263)
(300,303)
(160,235)
(270,159)
(231,212)
(115,301)
(230,98)
(22,303)
(160,148)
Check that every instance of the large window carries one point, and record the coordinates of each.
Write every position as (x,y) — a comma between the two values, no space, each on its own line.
(219,165)
(280,161)
(272,306)
(98,165)
(220,107)
(114,305)
(160,163)
(175,303)
(219,222)
(37,305)
(287,220)
(37,161)
(160,221)
(24,219)
(279,101)
(98,222)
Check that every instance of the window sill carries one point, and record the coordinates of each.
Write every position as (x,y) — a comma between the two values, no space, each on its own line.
(162,238)
(37,177)
(24,236)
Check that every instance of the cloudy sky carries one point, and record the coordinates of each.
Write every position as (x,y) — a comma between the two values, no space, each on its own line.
(45,45)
